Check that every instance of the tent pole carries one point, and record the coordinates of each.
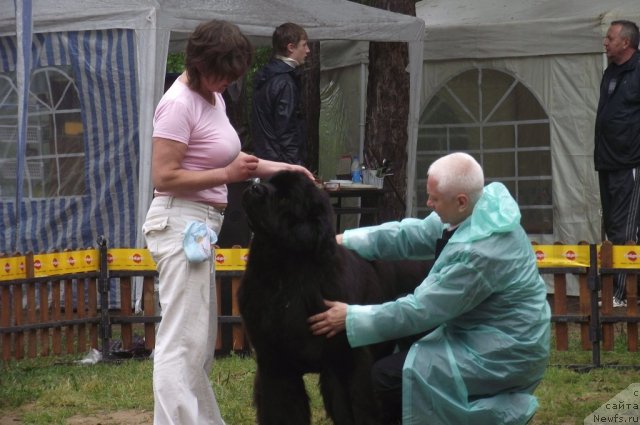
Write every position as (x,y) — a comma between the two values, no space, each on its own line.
(363,108)
(24,30)
(416,56)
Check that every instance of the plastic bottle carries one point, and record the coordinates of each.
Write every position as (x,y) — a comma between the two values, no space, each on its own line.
(356,171)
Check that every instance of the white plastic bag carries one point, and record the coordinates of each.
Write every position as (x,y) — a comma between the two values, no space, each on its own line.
(198,238)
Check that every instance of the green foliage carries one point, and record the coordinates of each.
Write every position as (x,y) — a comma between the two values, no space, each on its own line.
(175,63)
(261,57)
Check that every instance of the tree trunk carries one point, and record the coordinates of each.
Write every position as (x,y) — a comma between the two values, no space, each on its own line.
(388,111)
(311,99)
(235,100)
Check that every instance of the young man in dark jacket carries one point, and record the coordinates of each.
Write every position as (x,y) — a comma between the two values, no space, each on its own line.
(278,124)
(617,140)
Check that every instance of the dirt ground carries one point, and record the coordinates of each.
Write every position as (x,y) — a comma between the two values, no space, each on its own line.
(123,417)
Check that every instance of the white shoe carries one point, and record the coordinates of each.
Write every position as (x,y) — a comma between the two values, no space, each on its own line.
(616,303)
(619,303)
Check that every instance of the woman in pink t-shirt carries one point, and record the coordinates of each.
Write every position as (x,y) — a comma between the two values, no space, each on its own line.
(196,152)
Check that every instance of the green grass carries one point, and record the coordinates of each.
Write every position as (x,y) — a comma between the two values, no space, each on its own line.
(51,390)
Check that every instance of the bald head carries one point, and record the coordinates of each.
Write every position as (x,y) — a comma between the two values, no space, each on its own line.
(458,173)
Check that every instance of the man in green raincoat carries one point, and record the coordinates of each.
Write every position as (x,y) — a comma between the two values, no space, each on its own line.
(483,298)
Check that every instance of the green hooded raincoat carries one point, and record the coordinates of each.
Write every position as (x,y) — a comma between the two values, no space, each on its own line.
(486,302)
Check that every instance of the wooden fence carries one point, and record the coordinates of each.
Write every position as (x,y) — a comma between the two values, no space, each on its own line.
(57,303)
(595,267)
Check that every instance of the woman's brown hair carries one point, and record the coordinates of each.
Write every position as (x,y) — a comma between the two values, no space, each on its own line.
(217,48)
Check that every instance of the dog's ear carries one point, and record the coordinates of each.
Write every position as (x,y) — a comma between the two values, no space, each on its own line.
(300,214)
(321,221)
(311,220)
(312,238)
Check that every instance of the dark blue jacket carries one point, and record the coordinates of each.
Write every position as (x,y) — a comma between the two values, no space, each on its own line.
(277,123)
(617,133)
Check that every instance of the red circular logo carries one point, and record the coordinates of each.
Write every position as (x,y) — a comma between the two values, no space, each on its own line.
(71,261)
(219,258)
(570,255)
(37,264)
(632,256)
(539,255)
(55,262)
(109,258)
(87,259)
(137,258)
(7,267)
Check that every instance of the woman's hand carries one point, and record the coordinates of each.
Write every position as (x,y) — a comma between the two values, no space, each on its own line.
(301,169)
(243,167)
(329,322)
(268,168)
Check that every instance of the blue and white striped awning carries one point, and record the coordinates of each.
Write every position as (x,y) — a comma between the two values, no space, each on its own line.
(104,68)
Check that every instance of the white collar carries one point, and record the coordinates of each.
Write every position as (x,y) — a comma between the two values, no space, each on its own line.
(291,62)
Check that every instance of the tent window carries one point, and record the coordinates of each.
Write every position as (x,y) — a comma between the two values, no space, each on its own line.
(494,117)
(55,150)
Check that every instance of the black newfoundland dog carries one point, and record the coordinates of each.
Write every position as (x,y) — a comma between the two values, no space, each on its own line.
(294,264)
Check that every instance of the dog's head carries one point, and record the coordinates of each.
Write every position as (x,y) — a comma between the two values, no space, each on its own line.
(290,212)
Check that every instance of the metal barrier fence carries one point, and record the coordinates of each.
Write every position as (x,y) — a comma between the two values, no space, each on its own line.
(57,303)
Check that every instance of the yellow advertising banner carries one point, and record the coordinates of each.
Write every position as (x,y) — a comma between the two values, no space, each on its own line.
(562,255)
(243,256)
(85,261)
(57,263)
(626,256)
(231,258)
(130,259)
(13,268)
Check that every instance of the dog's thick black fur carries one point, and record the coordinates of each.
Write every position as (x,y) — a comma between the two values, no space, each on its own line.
(294,264)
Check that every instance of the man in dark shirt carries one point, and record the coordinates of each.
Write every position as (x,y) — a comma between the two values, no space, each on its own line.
(278,124)
(617,140)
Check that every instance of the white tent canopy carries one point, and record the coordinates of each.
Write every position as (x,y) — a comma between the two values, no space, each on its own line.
(153,21)
(554,48)
(323,19)
(459,29)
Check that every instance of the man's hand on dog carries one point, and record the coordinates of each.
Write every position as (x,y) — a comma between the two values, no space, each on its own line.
(329,322)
